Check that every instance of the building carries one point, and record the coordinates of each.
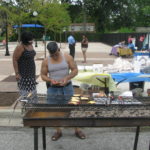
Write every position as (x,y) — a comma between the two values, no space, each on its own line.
(79,27)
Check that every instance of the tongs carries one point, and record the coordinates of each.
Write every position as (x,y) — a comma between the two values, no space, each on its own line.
(24,99)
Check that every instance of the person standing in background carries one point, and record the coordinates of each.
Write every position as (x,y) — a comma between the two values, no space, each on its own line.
(4,42)
(43,38)
(141,40)
(24,66)
(134,40)
(132,47)
(129,39)
(84,46)
(72,43)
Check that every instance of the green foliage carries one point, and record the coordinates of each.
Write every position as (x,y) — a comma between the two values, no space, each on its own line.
(112,14)
(13,37)
(108,15)
(76,14)
(51,14)
(4,13)
(1,38)
(143,13)
(146,10)
(54,16)
(107,31)
(125,30)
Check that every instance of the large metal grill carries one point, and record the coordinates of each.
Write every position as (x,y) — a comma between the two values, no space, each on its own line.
(86,115)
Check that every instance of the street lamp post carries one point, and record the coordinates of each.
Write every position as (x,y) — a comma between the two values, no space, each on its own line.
(64,30)
(6,29)
(35,14)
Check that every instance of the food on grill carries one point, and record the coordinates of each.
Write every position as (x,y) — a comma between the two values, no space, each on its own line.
(74,100)
(85,98)
(76,95)
(91,102)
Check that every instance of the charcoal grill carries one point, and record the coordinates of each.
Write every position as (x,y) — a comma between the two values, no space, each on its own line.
(46,115)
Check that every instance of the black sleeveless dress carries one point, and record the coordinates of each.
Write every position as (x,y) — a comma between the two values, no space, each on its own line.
(26,67)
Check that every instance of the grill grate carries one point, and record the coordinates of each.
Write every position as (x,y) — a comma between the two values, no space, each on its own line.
(93,111)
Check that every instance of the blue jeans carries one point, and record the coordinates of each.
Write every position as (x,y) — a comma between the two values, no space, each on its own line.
(60,95)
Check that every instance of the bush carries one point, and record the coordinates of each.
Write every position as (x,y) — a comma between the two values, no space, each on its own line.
(1,38)
(92,37)
(13,37)
(125,30)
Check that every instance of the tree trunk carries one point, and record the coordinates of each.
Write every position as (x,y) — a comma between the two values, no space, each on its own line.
(19,32)
(45,43)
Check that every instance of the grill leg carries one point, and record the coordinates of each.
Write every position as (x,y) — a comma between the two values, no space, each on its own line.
(35,138)
(44,138)
(136,138)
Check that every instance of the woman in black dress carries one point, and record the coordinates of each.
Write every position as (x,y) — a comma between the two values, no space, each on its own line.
(24,65)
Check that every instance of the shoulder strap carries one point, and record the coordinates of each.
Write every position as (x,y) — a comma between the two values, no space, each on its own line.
(49,62)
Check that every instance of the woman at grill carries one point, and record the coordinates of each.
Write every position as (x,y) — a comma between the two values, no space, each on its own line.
(24,66)
(57,70)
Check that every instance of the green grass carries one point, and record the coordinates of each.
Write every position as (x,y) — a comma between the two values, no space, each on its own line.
(125,30)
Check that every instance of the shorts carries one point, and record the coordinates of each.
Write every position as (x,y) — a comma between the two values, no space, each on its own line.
(57,95)
(84,49)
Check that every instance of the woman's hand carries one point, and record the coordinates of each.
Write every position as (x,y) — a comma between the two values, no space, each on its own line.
(17,76)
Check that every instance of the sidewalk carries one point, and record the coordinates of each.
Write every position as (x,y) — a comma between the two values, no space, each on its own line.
(97,139)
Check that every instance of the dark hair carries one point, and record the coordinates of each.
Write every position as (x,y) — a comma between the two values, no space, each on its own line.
(52,47)
(26,37)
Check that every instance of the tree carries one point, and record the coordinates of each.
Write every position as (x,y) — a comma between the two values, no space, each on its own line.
(113,14)
(5,18)
(143,13)
(53,16)
(18,13)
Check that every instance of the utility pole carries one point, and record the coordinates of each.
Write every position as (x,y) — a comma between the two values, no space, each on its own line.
(6,29)
(84,17)
(35,15)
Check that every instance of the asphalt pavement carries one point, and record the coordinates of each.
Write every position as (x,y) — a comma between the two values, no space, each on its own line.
(17,138)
